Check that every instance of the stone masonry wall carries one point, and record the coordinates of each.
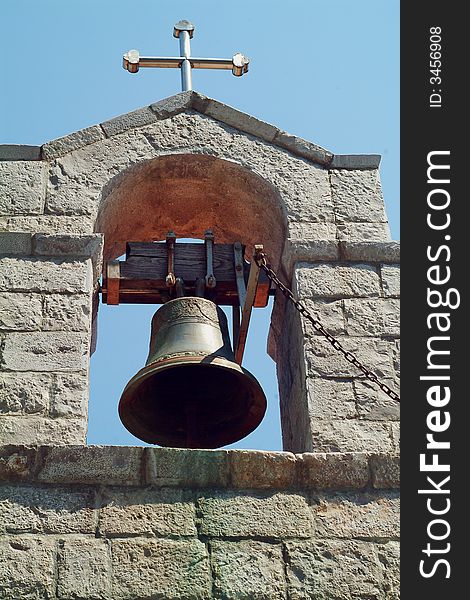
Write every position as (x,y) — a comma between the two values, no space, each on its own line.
(115,523)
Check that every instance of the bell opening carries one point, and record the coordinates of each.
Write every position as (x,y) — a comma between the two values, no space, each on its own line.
(200,405)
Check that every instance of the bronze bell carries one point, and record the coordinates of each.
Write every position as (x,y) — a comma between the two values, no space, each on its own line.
(191,392)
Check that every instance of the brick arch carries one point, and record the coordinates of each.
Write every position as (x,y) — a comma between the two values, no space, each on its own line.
(190,193)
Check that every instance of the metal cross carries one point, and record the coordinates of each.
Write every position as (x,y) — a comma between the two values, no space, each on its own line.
(184,30)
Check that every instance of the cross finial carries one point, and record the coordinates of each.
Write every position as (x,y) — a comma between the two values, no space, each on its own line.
(184,31)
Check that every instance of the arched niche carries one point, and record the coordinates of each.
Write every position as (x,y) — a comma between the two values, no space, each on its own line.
(189,193)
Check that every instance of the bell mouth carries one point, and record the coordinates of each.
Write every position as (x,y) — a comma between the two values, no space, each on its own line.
(192,402)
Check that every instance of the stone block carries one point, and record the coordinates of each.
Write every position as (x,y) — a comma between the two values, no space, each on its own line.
(338,471)
(40,430)
(248,569)
(390,275)
(395,435)
(329,313)
(303,148)
(20,312)
(172,569)
(67,245)
(136,118)
(330,281)
(351,436)
(373,404)
(15,242)
(365,516)
(339,569)
(19,152)
(146,512)
(168,107)
(50,275)
(69,143)
(268,516)
(325,361)
(261,470)
(311,231)
(24,393)
(364,317)
(45,351)
(47,224)
(67,313)
(385,470)
(330,399)
(364,232)
(83,570)
(69,394)
(391,309)
(355,161)
(92,464)
(56,510)
(309,250)
(357,196)
(389,556)
(187,468)
(22,187)
(368,251)
(27,568)
(17,463)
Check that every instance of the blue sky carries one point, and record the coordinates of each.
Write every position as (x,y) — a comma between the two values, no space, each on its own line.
(326,71)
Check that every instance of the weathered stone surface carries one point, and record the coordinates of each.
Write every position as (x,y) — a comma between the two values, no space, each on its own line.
(27,568)
(357,196)
(67,245)
(385,470)
(46,510)
(390,275)
(20,312)
(136,118)
(329,399)
(22,187)
(172,569)
(17,463)
(71,142)
(47,224)
(15,243)
(355,161)
(45,351)
(367,251)
(364,232)
(248,569)
(395,435)
(308,250)
(373,404)
(92,464)
(39,275)
(173,105)
(329,313)
(69,394)
(188,468)
(341,471)
(351,436)
(334,570)
(42,430)
(303,148)
(83,569)
(19,152)
(389,556)
(364,317)
(24,393)
(67,313)
(261,470)
(325,361)
(392,317)
(270,516)
(363,516)
(144,512)
(306,231)
(329,281)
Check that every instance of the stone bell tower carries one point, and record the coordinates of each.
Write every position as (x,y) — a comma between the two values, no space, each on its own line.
(318,520)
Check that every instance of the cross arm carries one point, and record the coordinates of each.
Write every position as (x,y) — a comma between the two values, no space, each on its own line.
(132,62)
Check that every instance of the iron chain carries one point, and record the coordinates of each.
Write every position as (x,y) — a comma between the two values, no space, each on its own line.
(261,261)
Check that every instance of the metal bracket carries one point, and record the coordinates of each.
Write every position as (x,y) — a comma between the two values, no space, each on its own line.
(248,305)
(209,242)
(170,279)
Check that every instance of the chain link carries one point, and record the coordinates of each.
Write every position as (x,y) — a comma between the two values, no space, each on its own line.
(261,261)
